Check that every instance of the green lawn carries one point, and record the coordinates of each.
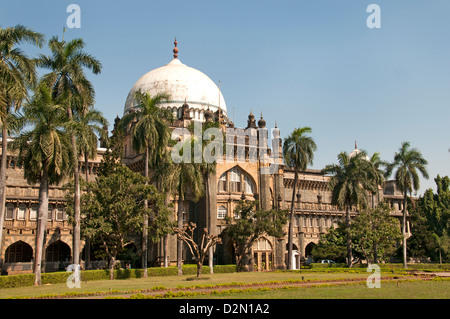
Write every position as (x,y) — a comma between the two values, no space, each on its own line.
(388,290)
(438,289)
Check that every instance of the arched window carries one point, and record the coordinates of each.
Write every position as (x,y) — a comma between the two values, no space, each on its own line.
(235,180)
(248,185)
(222,187)
(221,212)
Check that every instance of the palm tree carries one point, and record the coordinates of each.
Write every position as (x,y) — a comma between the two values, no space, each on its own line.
(44,152)
(182,179)
(150,134)
(408,162)
(17,73)
(298,152)
(209,178)
(88,126)
(351,178)
(379,174)
(67,79)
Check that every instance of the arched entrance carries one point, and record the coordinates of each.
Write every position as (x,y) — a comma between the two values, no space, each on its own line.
(308,252)
(58,251)
(262,255)
(19,252)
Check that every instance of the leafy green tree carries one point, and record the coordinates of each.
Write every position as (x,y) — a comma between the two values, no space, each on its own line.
(430,221)
(298,152)
(332,245)
(150,135)
(375,233)
(350,181)
(115,206)
(44,152)
(408,163)
(68,81)
(251,225)
(17,74)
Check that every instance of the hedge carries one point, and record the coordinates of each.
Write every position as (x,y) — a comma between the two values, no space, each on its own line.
(386,266)
(24,280)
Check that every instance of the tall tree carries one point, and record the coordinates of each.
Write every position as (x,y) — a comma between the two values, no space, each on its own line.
(150,135)
(350,181)
(44,152)
(408,163)
(199,250)
(379,173)
(251,225)
(430,220)
(68,80)
(17,74)
(88,126)
(298,152)
(185,180)
(209,177)
(375,233)
(115,204)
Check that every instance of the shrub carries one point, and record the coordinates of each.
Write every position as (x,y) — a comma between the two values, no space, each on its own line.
(26,280)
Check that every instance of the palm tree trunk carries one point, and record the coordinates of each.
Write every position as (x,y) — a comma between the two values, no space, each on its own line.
(405,263)
(166,237)
(291,223)
(3,185)
(145,228)
(87,251)
(76,194)
(349,241)
(41,226)
(208,217)
(179,241)
(77,205)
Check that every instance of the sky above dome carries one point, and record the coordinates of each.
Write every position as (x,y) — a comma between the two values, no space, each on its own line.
(300,63)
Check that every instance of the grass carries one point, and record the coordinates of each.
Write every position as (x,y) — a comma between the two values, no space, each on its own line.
(433,289)
(388,290)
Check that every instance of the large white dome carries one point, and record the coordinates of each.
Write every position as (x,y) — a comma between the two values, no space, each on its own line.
(183,83)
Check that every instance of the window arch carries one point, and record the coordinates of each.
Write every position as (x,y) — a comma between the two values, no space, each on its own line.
(221,212)
(236,181)
(222,187)
(248,185)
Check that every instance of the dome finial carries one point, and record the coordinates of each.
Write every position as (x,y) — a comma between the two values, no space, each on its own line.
(356,147)
(175,50)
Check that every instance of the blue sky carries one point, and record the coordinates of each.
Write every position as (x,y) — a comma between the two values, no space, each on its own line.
(300,63)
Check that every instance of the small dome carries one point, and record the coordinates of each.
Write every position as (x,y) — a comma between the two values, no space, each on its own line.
(355,152)
(262,122)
